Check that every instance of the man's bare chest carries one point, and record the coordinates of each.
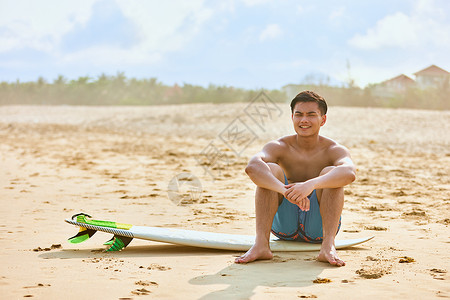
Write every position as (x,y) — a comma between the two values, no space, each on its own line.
(300,168)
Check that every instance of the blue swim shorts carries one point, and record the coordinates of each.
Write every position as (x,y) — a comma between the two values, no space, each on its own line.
(292,224)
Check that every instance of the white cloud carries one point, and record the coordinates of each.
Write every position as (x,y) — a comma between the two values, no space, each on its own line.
(271,31)
(39,24)
(396,30)
(161,26)
(422,27)
(165,25)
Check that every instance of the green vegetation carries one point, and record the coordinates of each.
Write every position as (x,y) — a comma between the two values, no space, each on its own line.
(119,90)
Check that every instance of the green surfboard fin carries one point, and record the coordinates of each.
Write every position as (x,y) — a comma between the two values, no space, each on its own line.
(109,242)
(119,242)
(83,235)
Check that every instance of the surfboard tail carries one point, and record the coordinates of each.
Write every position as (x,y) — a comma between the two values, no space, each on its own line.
(84,233)
(88,227)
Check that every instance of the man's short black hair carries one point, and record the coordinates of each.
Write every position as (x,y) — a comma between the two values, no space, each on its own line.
(310,96)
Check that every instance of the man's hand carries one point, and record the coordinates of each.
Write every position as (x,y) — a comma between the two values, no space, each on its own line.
(297,193)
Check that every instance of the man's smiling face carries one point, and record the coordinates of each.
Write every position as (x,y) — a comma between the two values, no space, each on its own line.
(307,119)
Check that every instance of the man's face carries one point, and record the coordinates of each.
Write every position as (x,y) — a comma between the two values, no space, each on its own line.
(307,118)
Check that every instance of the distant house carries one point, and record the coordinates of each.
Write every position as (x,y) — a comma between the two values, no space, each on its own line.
(432,76)
(393,86)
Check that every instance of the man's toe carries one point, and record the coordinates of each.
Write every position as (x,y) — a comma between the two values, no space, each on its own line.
(339,262)
(240,260)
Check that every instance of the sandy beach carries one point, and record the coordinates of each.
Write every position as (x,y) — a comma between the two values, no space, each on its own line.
(115,163)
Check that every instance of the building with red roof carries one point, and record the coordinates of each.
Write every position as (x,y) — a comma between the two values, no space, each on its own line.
(393,86)
(432,76)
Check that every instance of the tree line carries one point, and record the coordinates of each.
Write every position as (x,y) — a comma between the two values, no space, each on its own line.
(120,90)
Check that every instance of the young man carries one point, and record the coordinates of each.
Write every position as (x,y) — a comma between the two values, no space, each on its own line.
(300,180)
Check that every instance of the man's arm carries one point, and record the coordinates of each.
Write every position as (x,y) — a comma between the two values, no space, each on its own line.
(343,172)
(260,173)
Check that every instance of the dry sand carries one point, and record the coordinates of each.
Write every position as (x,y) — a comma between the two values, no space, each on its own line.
(115,163)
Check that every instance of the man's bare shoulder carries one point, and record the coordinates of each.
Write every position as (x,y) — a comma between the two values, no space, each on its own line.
(275,149)
(287,140)
(331,144)
(335,150)
(280,143)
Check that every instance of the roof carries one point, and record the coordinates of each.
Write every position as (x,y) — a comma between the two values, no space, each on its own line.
(401,78)
(432,70)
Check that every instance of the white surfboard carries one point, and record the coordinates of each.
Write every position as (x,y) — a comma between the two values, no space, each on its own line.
(124,233)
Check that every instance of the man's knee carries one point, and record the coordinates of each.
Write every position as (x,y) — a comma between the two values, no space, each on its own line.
(277,171)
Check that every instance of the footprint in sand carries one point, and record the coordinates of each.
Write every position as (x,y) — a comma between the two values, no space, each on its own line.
(307,296)
(438,274)
(158,267)
(52,247)
(322,280)
(146,283)
(36,286)
(376,228)
(140,292)
(374,272)
(406,259)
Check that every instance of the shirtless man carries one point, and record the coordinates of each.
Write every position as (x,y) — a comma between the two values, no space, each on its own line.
(300,180)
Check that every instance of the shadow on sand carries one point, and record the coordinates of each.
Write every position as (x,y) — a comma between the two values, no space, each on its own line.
(155,250)
(242,280)
(288,269)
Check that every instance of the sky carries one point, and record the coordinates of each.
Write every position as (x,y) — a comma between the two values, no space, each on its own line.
(243,43)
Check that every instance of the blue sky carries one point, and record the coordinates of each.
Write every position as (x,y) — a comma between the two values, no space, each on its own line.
(244,43)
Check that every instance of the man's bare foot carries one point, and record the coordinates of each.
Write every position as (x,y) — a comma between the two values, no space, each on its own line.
(328,254)
(255,253)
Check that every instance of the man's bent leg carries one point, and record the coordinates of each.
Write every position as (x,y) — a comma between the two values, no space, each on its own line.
(331,203)
(266,206)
